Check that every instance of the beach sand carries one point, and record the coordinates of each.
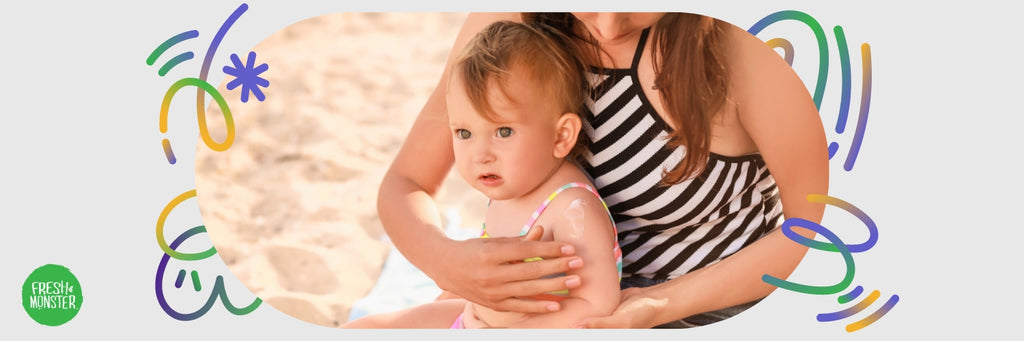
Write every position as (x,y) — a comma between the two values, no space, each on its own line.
(291,205)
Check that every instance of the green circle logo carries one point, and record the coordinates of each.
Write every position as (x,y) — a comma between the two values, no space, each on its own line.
(51,295)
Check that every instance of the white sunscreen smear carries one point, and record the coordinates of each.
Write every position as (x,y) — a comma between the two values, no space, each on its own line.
(575,216)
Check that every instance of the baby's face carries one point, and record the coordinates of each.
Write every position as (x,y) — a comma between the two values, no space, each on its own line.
(512,157)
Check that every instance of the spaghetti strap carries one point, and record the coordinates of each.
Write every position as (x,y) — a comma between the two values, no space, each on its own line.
(544,205)
(640,48)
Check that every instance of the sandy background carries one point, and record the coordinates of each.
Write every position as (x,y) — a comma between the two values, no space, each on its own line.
(291,206)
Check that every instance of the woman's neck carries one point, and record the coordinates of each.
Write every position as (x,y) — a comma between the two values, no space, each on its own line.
(618,53)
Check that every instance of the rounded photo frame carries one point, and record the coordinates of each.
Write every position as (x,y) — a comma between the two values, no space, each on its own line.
(291,206)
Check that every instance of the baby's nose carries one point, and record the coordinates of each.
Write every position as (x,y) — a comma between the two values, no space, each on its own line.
(483,154)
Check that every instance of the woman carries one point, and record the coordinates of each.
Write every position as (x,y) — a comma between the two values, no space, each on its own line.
(734,134)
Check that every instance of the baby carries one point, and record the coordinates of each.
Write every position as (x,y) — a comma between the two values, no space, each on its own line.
(513,99)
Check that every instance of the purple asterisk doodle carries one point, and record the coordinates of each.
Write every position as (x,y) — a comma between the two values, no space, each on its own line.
(247,76)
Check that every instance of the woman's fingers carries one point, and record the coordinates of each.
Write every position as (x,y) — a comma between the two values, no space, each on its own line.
(517,274)
(542,285)
(537,248)
(535,233)
(511,254)
(497,273)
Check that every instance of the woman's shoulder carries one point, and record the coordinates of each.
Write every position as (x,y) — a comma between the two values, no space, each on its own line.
(743,48)
(756,70)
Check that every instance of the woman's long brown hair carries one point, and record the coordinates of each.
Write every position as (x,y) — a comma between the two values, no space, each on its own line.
(692,78)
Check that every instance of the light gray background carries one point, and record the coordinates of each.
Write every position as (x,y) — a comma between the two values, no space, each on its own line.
(85,179)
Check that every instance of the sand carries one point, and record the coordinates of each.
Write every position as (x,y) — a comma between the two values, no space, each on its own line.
(291,205)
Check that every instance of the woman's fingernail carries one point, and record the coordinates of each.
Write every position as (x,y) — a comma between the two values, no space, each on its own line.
(576,264)
(572,282)
(568,250)
(553,307)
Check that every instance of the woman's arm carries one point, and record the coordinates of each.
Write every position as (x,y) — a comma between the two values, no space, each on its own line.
(778,114)
(474,269)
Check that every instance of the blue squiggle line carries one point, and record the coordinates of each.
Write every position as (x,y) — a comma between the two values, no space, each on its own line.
(844,64)
(218,38)
(830,246)
(850,296)
(160,276)
(865,102)
(200,94)
(832,149)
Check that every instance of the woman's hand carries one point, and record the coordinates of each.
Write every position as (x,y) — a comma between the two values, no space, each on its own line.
(489,271)
(635,311)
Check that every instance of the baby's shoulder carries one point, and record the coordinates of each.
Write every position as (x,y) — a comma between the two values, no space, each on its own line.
(576,193)
(575,206)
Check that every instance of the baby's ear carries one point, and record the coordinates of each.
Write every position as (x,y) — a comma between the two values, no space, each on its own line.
(567,131)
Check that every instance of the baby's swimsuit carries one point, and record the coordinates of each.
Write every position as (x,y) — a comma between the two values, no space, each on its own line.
(560,295)
(668,231)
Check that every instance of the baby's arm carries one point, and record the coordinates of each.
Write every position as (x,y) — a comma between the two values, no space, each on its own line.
(581,220)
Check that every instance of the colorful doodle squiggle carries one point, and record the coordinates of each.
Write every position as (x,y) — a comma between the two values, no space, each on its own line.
(822,75)
(247,75)
(836,244)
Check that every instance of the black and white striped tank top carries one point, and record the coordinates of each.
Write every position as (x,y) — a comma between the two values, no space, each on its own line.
(667,231)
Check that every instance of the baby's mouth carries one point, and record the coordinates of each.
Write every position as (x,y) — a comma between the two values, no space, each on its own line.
(490,180)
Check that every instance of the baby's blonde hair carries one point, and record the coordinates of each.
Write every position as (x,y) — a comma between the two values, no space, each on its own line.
(546,54)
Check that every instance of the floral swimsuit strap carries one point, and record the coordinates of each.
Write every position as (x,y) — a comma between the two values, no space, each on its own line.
(544,205)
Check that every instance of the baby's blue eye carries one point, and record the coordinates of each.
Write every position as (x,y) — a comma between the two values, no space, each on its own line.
(504,132)
(463,134)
